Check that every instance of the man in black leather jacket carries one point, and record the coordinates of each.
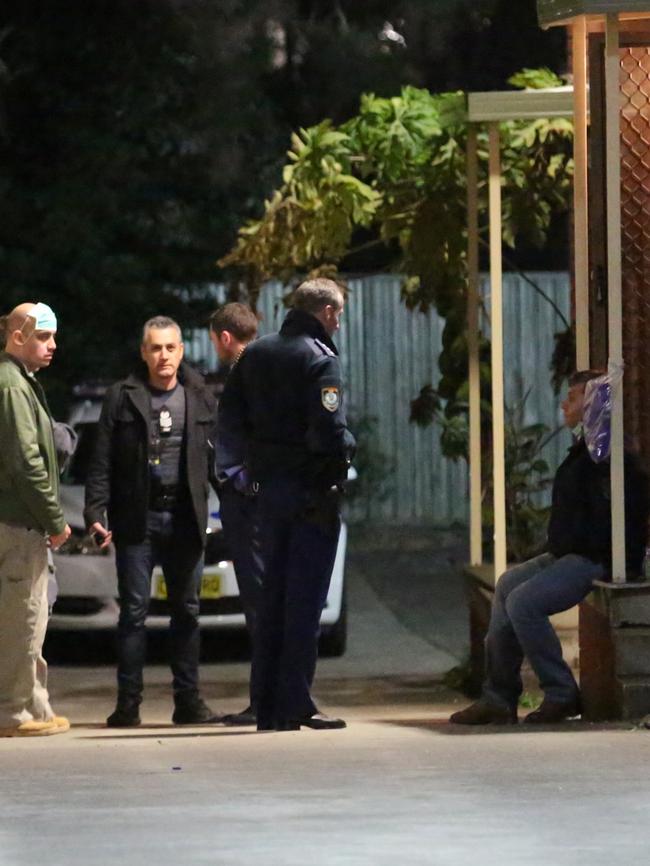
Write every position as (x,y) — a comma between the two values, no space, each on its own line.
(578,552)
(147,490)
(284,401)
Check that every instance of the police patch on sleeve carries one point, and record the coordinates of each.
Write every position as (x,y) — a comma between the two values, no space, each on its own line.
(329,397)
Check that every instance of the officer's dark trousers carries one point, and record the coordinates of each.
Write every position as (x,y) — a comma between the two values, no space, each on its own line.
(298,552)
(173,544)
(239,520)
(525,597)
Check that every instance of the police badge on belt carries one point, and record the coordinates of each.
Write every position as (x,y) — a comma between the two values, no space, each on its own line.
(329,397)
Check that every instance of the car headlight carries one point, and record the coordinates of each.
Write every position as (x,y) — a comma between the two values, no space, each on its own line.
(80,542)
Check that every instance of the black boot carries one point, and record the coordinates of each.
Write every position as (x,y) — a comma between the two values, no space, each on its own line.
(552,712)
(126,714)
(194,711)
(483,713)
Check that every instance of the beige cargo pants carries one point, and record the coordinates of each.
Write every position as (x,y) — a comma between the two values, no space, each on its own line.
(23,621)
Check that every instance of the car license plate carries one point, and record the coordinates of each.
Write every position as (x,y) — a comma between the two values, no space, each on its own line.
(210,585)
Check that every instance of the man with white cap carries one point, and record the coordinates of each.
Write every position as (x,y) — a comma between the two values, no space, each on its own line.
(30,519)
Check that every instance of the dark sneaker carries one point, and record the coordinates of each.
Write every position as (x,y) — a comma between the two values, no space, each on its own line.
(552,712)
(246,717)
(195,712)
(483,713)
(124,716)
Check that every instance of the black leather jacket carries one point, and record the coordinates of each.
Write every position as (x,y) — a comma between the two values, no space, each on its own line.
(117,485)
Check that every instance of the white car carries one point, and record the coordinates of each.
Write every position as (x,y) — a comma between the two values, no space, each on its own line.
(87,581)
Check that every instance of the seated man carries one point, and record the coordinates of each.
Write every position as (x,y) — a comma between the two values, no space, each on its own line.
(579,552)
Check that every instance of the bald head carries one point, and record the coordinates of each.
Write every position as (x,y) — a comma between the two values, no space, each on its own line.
(17,318)
(25,339)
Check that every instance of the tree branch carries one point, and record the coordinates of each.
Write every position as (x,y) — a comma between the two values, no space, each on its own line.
(531,283)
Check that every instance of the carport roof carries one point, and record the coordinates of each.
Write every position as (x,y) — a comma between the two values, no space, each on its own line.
(502,105)
(559,11)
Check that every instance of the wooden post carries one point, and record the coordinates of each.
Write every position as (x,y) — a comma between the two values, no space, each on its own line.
(496,314)
(580,193)
(614,281)
(475,516)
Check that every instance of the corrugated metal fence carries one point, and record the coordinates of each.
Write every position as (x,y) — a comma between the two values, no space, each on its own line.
(389,353)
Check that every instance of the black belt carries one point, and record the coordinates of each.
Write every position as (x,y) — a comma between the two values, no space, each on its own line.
(164,498)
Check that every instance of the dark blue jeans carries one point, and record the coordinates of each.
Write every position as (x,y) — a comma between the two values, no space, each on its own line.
(239,520)
(240,525)
(298,551)
(525,597)
(172,543)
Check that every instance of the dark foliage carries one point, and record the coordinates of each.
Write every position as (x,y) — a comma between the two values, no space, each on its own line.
(137,135)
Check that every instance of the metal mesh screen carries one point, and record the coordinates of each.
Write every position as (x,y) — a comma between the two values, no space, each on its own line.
(635,228)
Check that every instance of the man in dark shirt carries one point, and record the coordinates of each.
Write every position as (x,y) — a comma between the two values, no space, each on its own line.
(232,328)
(579,552)
(283,400)
(147,490)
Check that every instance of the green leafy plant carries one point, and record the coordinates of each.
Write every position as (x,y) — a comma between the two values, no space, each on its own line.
(397,171)
(528,478)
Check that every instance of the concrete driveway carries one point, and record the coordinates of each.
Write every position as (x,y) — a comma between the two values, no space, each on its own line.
(399,785)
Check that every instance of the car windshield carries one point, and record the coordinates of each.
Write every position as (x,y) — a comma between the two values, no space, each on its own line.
(78,466)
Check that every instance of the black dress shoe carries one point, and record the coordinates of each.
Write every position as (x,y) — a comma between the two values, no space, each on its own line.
(246,717)
(484,713)
(195,712)
(124,716)
(552,712)
(317,722)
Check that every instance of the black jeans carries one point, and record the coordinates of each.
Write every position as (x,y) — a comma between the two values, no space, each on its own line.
(240,526)
(239,520)
(171,542)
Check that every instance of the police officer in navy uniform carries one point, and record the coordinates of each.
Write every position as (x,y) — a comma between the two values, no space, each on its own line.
(284,400)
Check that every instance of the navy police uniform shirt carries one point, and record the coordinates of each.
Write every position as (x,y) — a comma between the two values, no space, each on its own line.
(283,400)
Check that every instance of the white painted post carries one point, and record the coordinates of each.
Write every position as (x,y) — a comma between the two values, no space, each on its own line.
(496,314)
(475,516)
(614,280)
(580,193)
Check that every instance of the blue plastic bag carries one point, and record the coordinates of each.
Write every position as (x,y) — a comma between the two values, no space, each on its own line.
(597,412)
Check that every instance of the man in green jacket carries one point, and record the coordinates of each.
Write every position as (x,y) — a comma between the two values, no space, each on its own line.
(30,519)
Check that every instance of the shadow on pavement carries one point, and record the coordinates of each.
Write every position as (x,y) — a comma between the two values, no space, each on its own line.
(442,726)
(162,733)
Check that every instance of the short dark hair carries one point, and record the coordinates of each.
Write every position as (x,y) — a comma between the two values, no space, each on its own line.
(236,318)
(312,296)
(160,322)
(581,377)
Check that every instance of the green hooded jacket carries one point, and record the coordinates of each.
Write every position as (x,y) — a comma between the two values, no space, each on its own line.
(29,472)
